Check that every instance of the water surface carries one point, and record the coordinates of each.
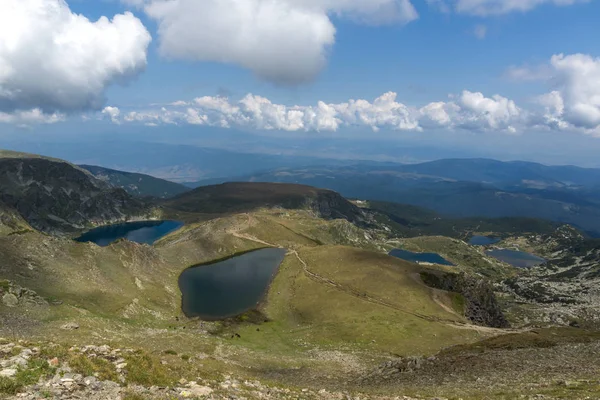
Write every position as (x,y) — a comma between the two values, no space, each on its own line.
(230,287)
(483,240)
(519,259)
(146,232)
(433,258)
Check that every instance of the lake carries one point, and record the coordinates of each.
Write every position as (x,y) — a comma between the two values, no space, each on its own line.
(146,232)
(433,258)
(519,259)
(229,287)
(483,240)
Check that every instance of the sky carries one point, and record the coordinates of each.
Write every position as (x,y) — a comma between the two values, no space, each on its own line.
(500,78)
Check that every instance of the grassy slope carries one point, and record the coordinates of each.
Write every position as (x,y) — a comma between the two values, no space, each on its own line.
(319,334)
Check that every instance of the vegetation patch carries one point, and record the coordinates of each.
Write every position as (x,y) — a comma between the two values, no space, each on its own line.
(143,369)
(99,367)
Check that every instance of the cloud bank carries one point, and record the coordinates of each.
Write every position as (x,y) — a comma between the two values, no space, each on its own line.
(471,111)
(573,103)
(54,61)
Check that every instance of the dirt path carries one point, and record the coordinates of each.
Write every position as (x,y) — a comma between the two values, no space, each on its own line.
(364,297)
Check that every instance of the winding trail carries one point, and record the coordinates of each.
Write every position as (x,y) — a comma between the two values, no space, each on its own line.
(364,297)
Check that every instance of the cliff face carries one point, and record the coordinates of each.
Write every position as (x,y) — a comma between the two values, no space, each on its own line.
(57,197)
(481,304)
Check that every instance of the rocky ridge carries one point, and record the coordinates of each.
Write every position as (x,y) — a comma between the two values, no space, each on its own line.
(57,197)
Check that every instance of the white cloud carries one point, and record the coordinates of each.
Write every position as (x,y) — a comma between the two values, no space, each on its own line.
(577,80)
(498,7)
(574,102)
(56,61)
(480,31)
(471,111)
(113,113)
(30,117)
(284,41)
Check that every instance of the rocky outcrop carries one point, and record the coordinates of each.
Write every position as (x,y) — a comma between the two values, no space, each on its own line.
(13,295)
(394,368)
(481,306)
(56,197)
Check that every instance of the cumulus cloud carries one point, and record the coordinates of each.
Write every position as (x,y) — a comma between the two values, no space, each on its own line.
(284,41)
(113,113)
(30,117)
(471,111)
(574,101)
(577,81)
(53,60)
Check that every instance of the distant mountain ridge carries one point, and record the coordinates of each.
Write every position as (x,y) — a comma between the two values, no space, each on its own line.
(137,184)
(462,188)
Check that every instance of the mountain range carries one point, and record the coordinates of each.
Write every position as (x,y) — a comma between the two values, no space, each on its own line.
(339,318)
(461,187)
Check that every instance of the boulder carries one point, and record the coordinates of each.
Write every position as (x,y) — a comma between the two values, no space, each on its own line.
(10,300)
(71,326)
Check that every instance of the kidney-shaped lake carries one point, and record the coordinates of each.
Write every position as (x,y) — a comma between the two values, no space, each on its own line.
(229,287)
(146,232)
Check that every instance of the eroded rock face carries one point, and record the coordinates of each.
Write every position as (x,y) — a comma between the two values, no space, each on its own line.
(482,307)
(57,197)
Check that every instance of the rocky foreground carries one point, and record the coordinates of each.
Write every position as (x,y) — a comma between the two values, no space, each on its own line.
(102,373)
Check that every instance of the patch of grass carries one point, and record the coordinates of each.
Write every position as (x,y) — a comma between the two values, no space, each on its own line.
(541,338)
(54,351)
(459,302)
(133,396)
(142,369)
(9,386)
(185,357)
(170,352)
(99,367)
(36,368)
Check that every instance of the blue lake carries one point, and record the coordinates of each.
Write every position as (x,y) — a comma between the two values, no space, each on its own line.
(433,258)
(229,287)
(519,259)
(146,232)
(483,240)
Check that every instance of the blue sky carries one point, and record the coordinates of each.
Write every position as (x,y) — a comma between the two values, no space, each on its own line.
(478,70)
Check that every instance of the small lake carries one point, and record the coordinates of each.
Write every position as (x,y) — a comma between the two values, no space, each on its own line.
(433,258)
(230,287)
(483,240)
(519,259)
(146,232)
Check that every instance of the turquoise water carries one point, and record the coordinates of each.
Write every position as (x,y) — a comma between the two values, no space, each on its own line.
(433,258)
(519,259)
(483,240)
(146,232)
(230,287)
